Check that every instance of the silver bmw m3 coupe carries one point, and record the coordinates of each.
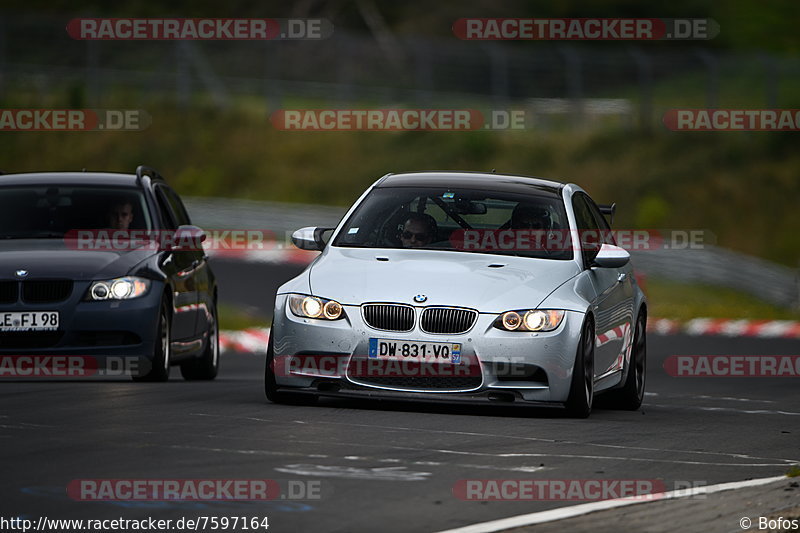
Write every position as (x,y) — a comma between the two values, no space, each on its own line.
(463,287)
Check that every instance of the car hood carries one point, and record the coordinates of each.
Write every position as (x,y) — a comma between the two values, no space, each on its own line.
(50,258)
(489,283)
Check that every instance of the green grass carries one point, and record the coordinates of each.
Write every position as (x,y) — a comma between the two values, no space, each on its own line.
(741,187)
(233,317)
(683,301)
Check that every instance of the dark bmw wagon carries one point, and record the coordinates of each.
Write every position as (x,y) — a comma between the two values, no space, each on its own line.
(64,294)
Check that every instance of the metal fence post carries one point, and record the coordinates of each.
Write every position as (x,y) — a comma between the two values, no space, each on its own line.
(92,75)
(574,82)
(499,60)
(423,68)
(272,73)
(3,73)
(644,67)
(771,80)
(344,92)
(712,67)
(182,75)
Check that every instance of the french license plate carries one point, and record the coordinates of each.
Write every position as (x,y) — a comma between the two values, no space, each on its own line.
(29,321)
(429,352)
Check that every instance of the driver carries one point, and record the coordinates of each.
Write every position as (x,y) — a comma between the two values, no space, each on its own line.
(418,231)
(120,215)
(530,217)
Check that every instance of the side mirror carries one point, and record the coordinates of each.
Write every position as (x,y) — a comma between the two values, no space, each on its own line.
(310,238)
(611,256)
(188,237)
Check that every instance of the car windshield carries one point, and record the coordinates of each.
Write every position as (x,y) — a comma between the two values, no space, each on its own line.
(51,211)
(465,220)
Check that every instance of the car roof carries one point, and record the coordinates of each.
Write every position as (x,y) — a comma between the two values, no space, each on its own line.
(472,180)
(69,178)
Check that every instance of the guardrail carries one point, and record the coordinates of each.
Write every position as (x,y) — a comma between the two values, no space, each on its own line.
(713,265)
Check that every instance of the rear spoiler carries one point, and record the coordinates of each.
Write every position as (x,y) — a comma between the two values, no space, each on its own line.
(609,210)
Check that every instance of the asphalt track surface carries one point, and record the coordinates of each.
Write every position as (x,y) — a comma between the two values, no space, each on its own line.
(386,466)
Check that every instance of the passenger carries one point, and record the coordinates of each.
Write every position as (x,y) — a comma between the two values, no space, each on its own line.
(529,217)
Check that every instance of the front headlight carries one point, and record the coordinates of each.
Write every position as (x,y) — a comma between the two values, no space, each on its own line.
(118,289)
(530,320)
(313,307)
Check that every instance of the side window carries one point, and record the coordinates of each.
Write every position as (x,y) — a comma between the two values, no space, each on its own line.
(181,216)
(587,228)
(583,216)
(164,211)
(601,222)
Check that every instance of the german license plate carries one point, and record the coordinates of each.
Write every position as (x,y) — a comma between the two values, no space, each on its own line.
(29,321)
(429,352)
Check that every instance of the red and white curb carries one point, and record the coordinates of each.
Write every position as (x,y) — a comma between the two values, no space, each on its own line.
(255,339)
(767,329)
(276,255)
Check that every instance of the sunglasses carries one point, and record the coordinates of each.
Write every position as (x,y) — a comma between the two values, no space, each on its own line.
(407,235)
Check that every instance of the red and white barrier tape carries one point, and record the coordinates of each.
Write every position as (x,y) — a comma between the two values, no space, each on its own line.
(255,339)
(272,255)
(246,340)
(788,329)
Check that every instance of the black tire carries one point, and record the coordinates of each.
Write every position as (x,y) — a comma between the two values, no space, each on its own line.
(581,393)
(159,365)
(271,387)
(206,366)
(631,395)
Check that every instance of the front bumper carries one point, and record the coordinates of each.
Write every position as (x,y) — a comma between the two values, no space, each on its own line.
(507,366)
(97,329)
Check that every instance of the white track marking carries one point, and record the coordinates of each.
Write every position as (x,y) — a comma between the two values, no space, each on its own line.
(729,399)
(245,452)
(411,430)
(520,468)
(730,410)
(386,473)
(350,445)
(578,510)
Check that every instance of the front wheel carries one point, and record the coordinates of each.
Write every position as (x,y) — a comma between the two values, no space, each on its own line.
(631,395)
(207,366)
(159,369)
(581,393)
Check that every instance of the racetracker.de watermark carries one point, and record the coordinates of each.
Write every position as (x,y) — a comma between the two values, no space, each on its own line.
(401,361)
(377,119)
(184,239)
(74,120)
(732,366)
(399,119)
(90,490)
(555,240)
(66,366)
(585,29)
(558,489)
(199,29)
(732,119)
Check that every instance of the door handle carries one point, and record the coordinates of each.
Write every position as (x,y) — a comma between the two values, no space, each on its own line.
(621,277)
